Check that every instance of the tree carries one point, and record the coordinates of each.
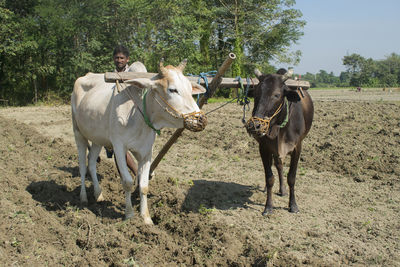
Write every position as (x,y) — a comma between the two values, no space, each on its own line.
(17,49)
(353,63)
(344,77)
(46,44)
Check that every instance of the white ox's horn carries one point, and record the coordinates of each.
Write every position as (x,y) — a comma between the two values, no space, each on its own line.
(287,75)
(182,65)
(258,73)
(161,67)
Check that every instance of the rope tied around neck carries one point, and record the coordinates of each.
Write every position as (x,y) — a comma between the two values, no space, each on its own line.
(145,117)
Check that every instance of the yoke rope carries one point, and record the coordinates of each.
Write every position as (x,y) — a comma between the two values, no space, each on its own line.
(241,99)
(204,75)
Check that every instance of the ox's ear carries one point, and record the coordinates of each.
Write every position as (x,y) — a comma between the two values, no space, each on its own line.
(292,95)
(141,83)
(197,89)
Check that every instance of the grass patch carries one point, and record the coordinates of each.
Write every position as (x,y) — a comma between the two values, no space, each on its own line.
(205,211)
(223,100)
(331,88)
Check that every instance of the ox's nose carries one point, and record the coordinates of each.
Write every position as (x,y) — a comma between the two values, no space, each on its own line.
(254,127)
(196,121)
(250,126)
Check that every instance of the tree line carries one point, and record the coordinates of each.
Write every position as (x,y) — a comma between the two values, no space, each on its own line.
(46,44)
(360,72)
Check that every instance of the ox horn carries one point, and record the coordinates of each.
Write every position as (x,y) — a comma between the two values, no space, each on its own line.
(258,73)
(182,65)
(161,67)
(287,75)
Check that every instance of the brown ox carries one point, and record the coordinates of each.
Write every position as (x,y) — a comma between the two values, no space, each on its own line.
(281,118)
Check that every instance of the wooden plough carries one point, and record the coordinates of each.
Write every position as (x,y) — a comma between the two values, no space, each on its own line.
(213,84)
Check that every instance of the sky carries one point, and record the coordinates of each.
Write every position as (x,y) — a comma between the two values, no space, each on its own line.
(336,28)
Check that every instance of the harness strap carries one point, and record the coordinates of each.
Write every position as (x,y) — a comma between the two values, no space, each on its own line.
(287,114)
(146,118)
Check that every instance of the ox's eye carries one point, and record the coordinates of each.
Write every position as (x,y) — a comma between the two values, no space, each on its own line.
(172,90)
(277,95)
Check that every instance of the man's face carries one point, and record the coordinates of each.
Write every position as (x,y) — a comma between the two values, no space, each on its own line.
(120,61)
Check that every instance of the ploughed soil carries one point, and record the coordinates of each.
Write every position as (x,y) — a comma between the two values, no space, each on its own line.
(206,197)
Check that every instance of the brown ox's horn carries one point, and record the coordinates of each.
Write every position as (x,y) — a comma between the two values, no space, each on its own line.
(182,65)
(161,67)
(258,73)
(287,75)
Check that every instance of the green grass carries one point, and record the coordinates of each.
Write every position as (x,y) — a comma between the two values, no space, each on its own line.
(223,100)
(218,100)
(331,88)
(205,211)
(346,88)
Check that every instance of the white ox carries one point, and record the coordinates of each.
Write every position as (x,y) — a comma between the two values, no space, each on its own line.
(115,119)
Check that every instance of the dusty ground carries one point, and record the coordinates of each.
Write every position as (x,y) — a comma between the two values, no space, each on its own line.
(206,198)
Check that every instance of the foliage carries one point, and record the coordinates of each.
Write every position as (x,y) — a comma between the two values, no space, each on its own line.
(373,73)
(46,44)
(360,72)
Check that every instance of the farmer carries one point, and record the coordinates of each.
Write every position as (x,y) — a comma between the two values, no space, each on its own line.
(121,59)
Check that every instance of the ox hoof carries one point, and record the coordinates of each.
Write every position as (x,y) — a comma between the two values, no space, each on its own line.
(265,190)
(84,200)
(294,209)
(282,193)
(268,211)
(148,221)
(100,197)
(128,216)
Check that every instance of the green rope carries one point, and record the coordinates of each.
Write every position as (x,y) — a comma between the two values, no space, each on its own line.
(287,114)
(146,119)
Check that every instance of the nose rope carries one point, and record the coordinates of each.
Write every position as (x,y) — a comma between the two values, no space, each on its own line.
(266,121)
(180,115)
(195,121)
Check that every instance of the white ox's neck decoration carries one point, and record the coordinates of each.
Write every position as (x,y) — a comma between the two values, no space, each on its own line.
(108,118)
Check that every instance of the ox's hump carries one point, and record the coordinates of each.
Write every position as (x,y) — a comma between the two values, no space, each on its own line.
(137,66)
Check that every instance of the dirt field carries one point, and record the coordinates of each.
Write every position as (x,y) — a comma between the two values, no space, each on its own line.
(206,199)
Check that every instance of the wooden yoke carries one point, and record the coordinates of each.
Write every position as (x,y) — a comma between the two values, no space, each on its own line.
(214,83)
(219,81)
